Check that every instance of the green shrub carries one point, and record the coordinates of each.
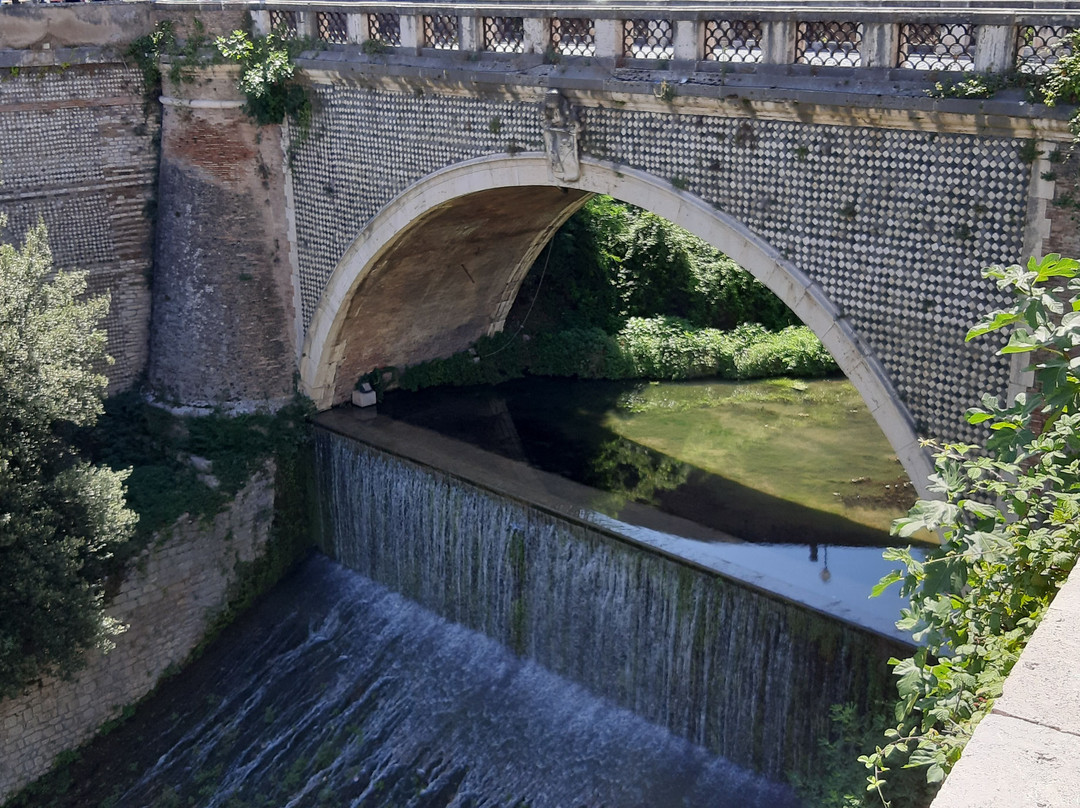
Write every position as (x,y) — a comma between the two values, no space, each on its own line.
(587,353)
(645,348)
(61,518)
(1009,518)
(157,446)
(612,261)
(795,351)
(266,77)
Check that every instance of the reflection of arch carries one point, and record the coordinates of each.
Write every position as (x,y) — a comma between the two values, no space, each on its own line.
(497,188)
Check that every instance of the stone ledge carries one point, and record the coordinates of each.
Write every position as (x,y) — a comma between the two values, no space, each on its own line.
(874,98)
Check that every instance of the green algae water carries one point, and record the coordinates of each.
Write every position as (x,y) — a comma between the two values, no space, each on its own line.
(813,443)
(778,461)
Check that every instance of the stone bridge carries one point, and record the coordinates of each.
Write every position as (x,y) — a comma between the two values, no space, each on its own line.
(449,142)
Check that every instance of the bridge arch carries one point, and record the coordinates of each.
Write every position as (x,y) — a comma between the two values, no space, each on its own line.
(388,269)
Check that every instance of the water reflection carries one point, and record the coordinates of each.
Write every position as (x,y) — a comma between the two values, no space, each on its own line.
(835,580)
(803,483)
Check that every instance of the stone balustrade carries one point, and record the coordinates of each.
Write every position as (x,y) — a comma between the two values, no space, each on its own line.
(724,37)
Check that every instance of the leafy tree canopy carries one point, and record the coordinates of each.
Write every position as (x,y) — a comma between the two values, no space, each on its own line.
(612,261)
(60,517)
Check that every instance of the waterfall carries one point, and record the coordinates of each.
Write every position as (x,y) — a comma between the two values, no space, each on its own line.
(749,676)
(334,691)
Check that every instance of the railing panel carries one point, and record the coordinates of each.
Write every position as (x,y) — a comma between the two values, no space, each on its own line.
(733,41)
(504,34)
(829,44)
(385,28)
(1038,47)
(333,27)
(285,23)
(573,36)
(648,39)
(441,31)
(937,46)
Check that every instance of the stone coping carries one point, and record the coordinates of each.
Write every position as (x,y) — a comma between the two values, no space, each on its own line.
(880,98)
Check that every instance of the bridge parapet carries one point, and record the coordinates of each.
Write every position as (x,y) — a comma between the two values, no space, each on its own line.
(933,38)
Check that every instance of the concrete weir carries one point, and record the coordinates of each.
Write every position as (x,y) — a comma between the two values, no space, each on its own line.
(509,551)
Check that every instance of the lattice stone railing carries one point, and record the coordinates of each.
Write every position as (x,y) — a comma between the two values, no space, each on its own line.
(919,38)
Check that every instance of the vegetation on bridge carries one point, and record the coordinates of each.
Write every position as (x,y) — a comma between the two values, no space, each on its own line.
(267,68)
(1060,84)
(267,71)
(1009,517)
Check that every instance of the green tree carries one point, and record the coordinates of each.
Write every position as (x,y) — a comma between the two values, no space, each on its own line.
(60,517)
(1009,517)
(612,261)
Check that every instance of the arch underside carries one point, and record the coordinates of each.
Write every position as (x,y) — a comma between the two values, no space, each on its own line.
(441,265)
(448,279)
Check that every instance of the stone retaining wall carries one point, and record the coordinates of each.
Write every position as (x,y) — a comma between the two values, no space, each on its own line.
(169,599)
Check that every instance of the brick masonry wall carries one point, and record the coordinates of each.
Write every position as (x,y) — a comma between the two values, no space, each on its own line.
(895,225)
(78,151)
(223,298)
(1064,211)
(169,598)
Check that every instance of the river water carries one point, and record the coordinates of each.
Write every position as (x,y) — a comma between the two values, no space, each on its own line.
(776,461)
(474,650)
(335,691)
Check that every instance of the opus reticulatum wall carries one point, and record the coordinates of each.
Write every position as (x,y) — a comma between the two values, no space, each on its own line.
(78,151)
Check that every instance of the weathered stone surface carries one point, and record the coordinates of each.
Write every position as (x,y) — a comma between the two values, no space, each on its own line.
(44,27)
(1011,763)
(223,303)
(1044,686)
(171,595)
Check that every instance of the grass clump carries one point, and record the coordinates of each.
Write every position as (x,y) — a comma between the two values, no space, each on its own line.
(186,465)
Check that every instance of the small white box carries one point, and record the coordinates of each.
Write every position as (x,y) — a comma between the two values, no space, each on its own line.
(364,397)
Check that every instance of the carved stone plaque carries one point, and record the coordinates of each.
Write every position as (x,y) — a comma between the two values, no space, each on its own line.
(562,126)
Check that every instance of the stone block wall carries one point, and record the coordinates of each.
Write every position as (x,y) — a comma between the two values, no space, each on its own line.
(78,151)
(168,600)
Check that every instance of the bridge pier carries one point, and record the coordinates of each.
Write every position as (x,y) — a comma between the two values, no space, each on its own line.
(223,332)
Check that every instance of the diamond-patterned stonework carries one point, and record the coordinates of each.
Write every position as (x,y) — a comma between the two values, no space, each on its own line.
(368,147)
(894,225)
